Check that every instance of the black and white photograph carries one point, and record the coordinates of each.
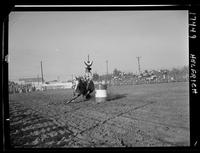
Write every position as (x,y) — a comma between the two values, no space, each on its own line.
(98,79)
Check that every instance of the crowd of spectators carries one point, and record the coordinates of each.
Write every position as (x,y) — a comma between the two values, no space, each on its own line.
(20,88)
(145,77)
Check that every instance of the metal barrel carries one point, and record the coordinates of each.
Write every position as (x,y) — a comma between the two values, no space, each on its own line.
(100,92)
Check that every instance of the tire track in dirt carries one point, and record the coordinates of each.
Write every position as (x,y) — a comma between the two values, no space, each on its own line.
(101,123)
(141,137)
(156,123)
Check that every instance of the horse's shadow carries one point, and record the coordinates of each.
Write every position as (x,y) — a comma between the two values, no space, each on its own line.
(110,97)
(115,96)
(83,99)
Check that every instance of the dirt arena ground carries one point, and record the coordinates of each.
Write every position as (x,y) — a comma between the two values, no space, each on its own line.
(134,116)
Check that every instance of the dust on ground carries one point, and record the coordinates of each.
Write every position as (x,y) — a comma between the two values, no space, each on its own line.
(133,116)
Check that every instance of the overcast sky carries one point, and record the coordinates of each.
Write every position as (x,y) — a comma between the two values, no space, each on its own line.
(62,40)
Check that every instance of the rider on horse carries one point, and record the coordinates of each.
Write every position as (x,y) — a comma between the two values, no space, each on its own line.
(83,85)
(88,74)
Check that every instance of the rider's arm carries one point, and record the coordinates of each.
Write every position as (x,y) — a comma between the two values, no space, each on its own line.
(85,63)
(91,63)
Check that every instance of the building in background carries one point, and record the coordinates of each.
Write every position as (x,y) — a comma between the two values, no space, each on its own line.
(35,82)
(55,84)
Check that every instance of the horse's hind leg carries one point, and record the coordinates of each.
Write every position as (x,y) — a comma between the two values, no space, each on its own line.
(87,96)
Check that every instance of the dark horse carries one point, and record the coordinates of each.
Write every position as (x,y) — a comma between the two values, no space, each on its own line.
(82,87)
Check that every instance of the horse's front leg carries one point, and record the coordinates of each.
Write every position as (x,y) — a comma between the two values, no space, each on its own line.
(73,98)
(87,96)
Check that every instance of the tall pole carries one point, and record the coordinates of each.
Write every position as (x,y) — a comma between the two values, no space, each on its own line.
(38,79)
(42,72)
(138,58)
(106,71)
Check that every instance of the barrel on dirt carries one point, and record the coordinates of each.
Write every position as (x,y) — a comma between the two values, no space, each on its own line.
(101,92)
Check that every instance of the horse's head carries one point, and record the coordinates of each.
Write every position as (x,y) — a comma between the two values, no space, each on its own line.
(77,82)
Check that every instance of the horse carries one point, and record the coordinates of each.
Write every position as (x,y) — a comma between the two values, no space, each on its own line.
(82,87)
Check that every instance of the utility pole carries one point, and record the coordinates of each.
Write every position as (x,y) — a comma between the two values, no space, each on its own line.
(38,79)
(138,58)
(42,72)
(106,71)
